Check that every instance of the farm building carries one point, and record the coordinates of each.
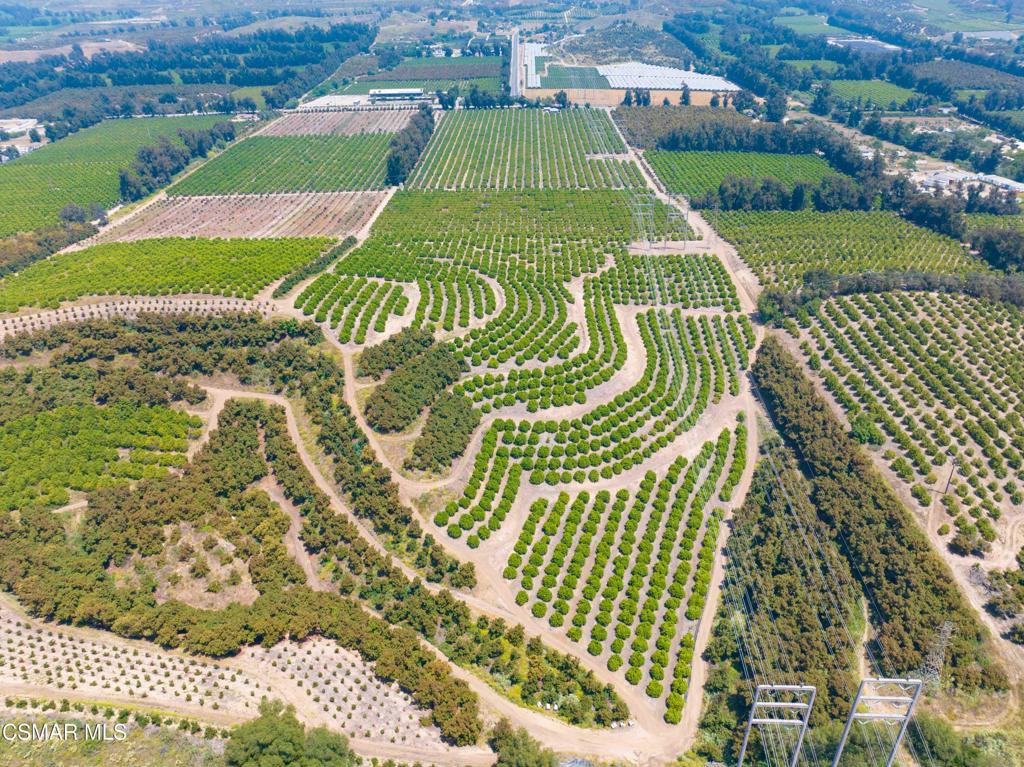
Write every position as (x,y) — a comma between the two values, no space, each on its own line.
(391,95)
(606,84)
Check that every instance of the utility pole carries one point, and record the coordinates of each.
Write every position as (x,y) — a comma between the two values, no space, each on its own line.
(930,672)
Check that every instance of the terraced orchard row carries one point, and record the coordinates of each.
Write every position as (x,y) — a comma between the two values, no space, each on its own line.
(452,245)
(351,306)
(692,363)
(781,246)
(936,382)
(569,381)
(526,149)
(628,575)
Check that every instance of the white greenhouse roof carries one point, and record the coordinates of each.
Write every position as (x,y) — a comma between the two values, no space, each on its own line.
(635,75)
(530,52)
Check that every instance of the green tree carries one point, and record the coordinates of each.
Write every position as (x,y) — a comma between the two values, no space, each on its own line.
(516,748)
(277,739)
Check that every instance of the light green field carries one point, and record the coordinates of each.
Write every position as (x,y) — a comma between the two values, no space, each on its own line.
(805,64)
(810,24)
(877,92)
(80,169)
(158,267)
(559,76)
(264,164)
(254,92)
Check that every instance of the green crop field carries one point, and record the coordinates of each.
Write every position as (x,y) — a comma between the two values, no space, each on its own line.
(158,267)
(437,67)
(810,24)
(435,74)
(516,149)
(293,164)
(80,169)
(432,85)
(254,92)
(696,173)
(780,246)
(807,64)
(559,76)
(877,92)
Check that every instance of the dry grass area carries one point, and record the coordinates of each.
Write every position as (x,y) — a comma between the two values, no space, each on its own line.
(199,569)
(298,214)
(339,123)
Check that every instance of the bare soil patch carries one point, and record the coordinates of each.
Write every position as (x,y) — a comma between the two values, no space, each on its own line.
(300,214)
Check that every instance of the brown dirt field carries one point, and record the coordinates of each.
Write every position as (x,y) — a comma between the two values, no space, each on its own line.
(299,214)
(90,49)
(342,123)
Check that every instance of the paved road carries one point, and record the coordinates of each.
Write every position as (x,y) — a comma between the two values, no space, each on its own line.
(514,66)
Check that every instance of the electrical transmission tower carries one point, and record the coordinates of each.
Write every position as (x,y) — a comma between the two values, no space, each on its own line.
(930,672)
(780,705)
(890,701)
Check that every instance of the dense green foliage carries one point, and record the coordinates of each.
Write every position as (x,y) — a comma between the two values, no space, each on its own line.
(407,145)
(277,738)
(77,427)
(446,433)
(394,352)
(155,166)
(19,250)
(515,747)
(1002,247)
(159,267)
(879,534)
(414,385)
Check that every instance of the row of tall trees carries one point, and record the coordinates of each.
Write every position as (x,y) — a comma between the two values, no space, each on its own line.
(155,166)
(408,144)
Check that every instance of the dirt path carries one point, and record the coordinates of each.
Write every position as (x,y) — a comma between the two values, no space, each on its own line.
(292,540)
